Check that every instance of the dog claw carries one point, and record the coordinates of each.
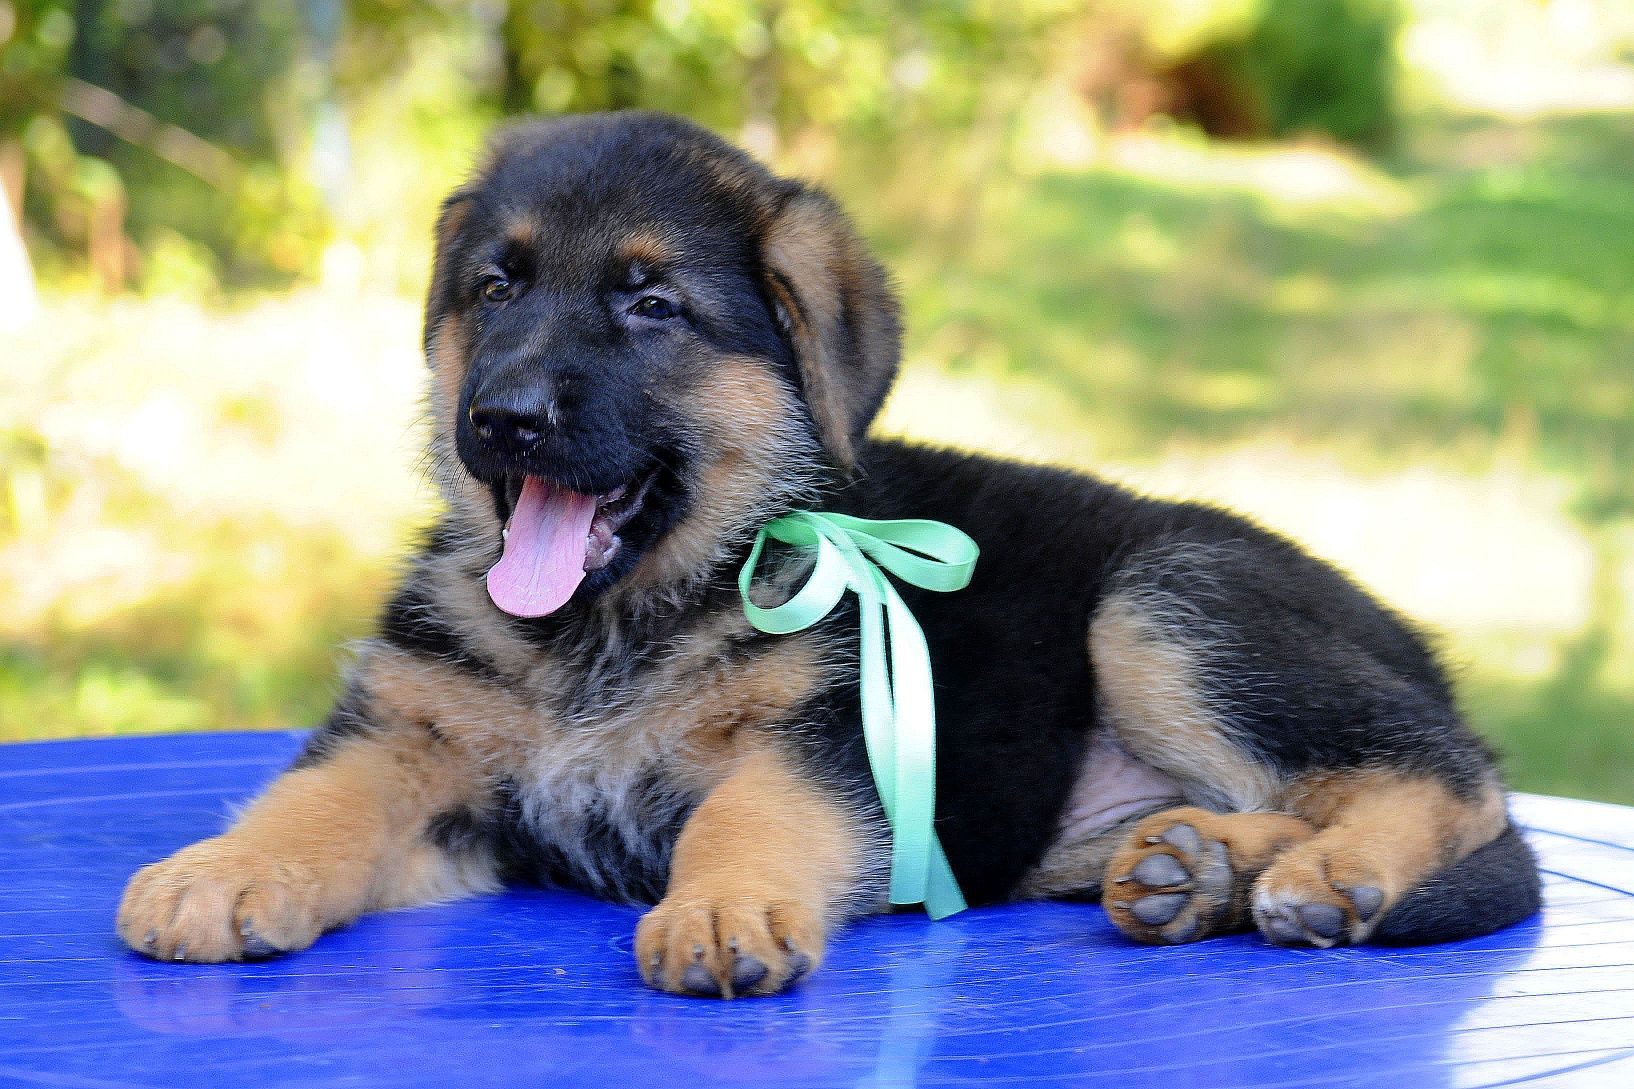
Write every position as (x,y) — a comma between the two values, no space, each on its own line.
(255,946)
(799,963)
(258,948)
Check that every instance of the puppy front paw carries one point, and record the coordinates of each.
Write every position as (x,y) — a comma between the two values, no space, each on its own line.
(220,900)
(719,946)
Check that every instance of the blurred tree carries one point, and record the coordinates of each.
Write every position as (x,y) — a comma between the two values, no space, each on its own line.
(18,299)
(173,123)
(34,39)
(1252,68)
(788,64)
(219,134)
(213,166)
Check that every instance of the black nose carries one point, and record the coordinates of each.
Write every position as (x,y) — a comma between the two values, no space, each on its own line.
(512,419)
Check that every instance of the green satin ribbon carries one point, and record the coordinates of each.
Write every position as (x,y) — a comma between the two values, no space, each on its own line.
(898,706)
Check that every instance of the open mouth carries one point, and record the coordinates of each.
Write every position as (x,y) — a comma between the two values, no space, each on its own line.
(554,537)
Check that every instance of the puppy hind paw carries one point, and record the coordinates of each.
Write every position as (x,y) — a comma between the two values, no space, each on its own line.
(1305,900)
(1170,883)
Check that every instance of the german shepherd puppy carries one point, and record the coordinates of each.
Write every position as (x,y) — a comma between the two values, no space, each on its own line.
(644,346)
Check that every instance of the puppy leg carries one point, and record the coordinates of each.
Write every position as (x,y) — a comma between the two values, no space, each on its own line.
(1186,873)
(324,844)
(761,870)
(1382,835)
(1328,711)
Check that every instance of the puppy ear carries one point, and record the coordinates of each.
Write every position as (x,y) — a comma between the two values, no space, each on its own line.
(451,219)
(839,313)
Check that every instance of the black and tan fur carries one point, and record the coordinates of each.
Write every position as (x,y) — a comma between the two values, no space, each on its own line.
(645,744)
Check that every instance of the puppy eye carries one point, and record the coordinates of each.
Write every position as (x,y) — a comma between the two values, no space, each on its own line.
(497,289)
(655,307)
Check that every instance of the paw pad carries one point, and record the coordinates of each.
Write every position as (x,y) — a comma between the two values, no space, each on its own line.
(1158,871)
(1158,909)
(1367,898)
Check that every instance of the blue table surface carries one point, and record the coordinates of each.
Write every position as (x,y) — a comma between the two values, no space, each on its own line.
(533,985)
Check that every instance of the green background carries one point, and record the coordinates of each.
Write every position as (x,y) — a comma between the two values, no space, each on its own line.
(1373,284)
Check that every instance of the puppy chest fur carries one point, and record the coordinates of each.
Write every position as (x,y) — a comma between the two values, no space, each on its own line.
(586,783)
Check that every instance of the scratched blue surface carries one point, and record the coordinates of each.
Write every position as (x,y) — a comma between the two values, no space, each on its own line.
(537,988)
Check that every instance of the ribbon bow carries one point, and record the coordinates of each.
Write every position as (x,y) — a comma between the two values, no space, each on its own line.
(898,707)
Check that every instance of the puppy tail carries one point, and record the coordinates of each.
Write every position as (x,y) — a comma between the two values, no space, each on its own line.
(1488,889)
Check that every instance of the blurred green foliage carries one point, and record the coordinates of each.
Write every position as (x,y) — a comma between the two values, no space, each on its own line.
(182,122)
(883,66)
(1242,312)
(216,129)
(35,37)
(1326,67)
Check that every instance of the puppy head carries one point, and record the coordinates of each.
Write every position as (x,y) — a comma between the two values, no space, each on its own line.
(644,345)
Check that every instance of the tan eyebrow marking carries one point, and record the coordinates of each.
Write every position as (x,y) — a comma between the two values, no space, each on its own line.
(647,248)
(521,233)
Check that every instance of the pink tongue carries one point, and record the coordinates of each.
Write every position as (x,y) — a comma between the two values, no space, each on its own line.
(544,552)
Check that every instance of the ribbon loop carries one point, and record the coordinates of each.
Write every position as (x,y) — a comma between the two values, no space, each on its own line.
(898,701)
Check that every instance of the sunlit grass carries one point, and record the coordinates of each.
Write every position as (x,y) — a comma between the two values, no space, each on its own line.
(200,506)
(1425,371)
